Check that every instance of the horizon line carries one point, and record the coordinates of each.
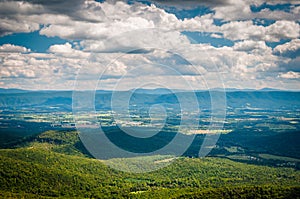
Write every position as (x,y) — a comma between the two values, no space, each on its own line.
(153,89)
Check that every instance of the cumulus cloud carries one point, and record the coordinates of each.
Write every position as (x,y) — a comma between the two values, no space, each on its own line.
(188,4)
(256,47)
(282,30)
(243,30)
(218,3)
(140,33)
(293,45)
(13,48)
(9,26)
(241,10)
(236,9)
(133,41)
(290,75)
(12,20)
(121,17)
(15,66)
(102,20)
(40,70)
(66,50)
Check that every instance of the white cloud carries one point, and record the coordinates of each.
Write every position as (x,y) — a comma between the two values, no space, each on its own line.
(121,17)
(106,30)
(15,65)
(229,10)
(98,21)
(255,47)
(282,30)
(40,70)
(290,75)
(8,26)
(293,45)
(13,48)
(244,30)
(236,9)
(139,39)
(66,50)
(240,10)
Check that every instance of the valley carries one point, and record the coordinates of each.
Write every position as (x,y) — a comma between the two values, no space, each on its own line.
(257,153)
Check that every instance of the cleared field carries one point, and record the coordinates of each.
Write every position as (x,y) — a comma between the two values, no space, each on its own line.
(276,157)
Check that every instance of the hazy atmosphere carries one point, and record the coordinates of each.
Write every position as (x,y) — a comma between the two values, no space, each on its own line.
(150,99)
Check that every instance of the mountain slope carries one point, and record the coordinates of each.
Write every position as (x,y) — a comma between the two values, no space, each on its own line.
(39,168)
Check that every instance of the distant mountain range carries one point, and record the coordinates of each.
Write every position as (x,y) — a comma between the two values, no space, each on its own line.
(266,98)
(12,90)
(145,90)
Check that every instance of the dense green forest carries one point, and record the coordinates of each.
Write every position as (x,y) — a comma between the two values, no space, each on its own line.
(55,164)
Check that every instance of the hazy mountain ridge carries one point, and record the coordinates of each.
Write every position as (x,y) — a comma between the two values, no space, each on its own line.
(257,99)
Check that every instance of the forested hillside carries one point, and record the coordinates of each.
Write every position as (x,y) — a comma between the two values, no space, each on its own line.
(55,164)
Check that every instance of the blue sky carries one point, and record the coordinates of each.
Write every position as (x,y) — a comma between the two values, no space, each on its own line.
(98,44)
(32,40)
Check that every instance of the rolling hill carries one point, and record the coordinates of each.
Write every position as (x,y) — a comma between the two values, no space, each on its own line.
(54,164)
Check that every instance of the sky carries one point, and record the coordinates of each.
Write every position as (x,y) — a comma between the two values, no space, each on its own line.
(122,45)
